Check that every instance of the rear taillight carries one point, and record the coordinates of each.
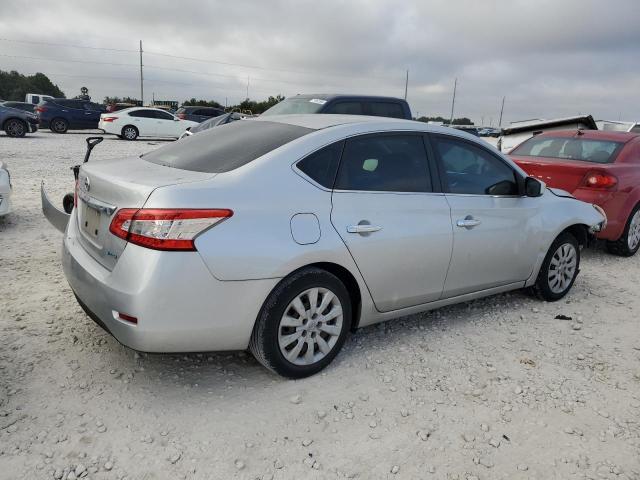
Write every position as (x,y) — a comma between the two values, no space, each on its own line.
(40,109)
(600,180)
(108,119)
(165,229)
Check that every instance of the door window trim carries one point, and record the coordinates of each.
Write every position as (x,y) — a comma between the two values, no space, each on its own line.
(442,174)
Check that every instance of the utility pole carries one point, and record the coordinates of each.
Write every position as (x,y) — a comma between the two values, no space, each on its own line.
(247,87)
(501,110)
(453,101)
(141,78)
(406,84)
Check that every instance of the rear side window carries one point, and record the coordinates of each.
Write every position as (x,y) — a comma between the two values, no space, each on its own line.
(322,165)
(387,163)
(346,108)
(468,169)
(226,147)
(386,109)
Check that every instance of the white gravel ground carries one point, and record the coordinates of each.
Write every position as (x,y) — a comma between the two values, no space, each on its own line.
(492,389)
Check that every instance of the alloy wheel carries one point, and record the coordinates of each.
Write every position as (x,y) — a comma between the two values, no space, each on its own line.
(310,326)
(633,237)
(562,268)
(59,126)
(130,133)
(15,128)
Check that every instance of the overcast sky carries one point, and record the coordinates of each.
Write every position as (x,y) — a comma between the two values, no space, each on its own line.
(549,58)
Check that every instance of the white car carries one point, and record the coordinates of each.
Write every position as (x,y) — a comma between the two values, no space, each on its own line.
(5,189)
(135,122)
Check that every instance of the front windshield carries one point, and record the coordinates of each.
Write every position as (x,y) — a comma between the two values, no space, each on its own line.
(296,105)
(570,148)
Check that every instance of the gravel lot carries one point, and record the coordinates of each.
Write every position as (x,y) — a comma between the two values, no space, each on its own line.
(496,388)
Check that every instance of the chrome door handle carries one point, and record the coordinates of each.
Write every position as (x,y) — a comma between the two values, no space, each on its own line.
(468,222)
(363,228)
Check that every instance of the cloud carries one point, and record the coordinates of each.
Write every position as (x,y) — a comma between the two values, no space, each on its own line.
(548,58)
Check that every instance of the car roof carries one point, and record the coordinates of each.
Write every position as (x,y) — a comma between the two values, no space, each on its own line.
(327,120)
(335,96)
(592,135)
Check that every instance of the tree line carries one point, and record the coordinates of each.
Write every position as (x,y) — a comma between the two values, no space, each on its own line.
(14,86)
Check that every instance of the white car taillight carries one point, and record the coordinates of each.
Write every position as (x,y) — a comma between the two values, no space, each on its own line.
(165,229)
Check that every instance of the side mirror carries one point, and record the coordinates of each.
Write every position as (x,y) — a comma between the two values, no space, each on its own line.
(532,187)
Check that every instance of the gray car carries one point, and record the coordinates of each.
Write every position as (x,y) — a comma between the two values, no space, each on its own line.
(17,123)
(284,233)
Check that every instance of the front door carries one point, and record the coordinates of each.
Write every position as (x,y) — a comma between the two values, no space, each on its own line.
(492,223)
(397,230)
(166,124)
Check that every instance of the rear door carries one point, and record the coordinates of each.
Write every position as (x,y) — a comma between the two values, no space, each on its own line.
(92,113)
(397,229)
(492,224)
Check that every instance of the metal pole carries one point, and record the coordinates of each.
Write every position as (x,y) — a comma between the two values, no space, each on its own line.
(141,78)
(247,87)
(453,101)
(406,84)
(501,110)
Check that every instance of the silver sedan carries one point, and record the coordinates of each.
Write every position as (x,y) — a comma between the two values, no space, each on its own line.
(283,234)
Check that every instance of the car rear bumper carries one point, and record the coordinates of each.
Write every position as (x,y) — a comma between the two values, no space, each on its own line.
(613,204)
(179,305)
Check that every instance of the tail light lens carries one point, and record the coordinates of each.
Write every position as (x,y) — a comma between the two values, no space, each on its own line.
(108,119)
(165,229)
(40,109)
(599,180)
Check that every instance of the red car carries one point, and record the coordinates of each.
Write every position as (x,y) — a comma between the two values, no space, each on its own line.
(595,166)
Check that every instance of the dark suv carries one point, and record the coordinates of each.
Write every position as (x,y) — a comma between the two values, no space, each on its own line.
(198,114)
(61,114)
(343,104)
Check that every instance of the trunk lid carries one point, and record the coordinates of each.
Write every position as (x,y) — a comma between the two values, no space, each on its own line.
(106,186)
(563,174)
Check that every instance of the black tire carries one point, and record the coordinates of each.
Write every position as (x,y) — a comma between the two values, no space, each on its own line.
(129,132)
(543,288)
(59,125)
(15,128)
(264,344)
(621,246)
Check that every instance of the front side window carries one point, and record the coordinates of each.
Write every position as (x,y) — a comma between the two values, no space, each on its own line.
(387,163)
(160,115)
(570,148)
(346,108)
(322,165)
(468,169)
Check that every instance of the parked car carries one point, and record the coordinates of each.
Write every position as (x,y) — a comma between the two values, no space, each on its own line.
(595,166)
(198,114)
(282,234)
(214,122)
(343,104)
(132,123)
(5,189)
(36,98)
(27,107)
(17,123)
(62,114)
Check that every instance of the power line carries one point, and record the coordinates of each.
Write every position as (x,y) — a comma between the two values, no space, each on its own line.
(68,45)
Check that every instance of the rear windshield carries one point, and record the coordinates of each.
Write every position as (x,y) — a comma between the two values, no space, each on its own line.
(226,147)
(296,105)
(587,150)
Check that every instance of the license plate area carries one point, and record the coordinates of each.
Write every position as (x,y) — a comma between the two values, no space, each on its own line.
(90,221)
